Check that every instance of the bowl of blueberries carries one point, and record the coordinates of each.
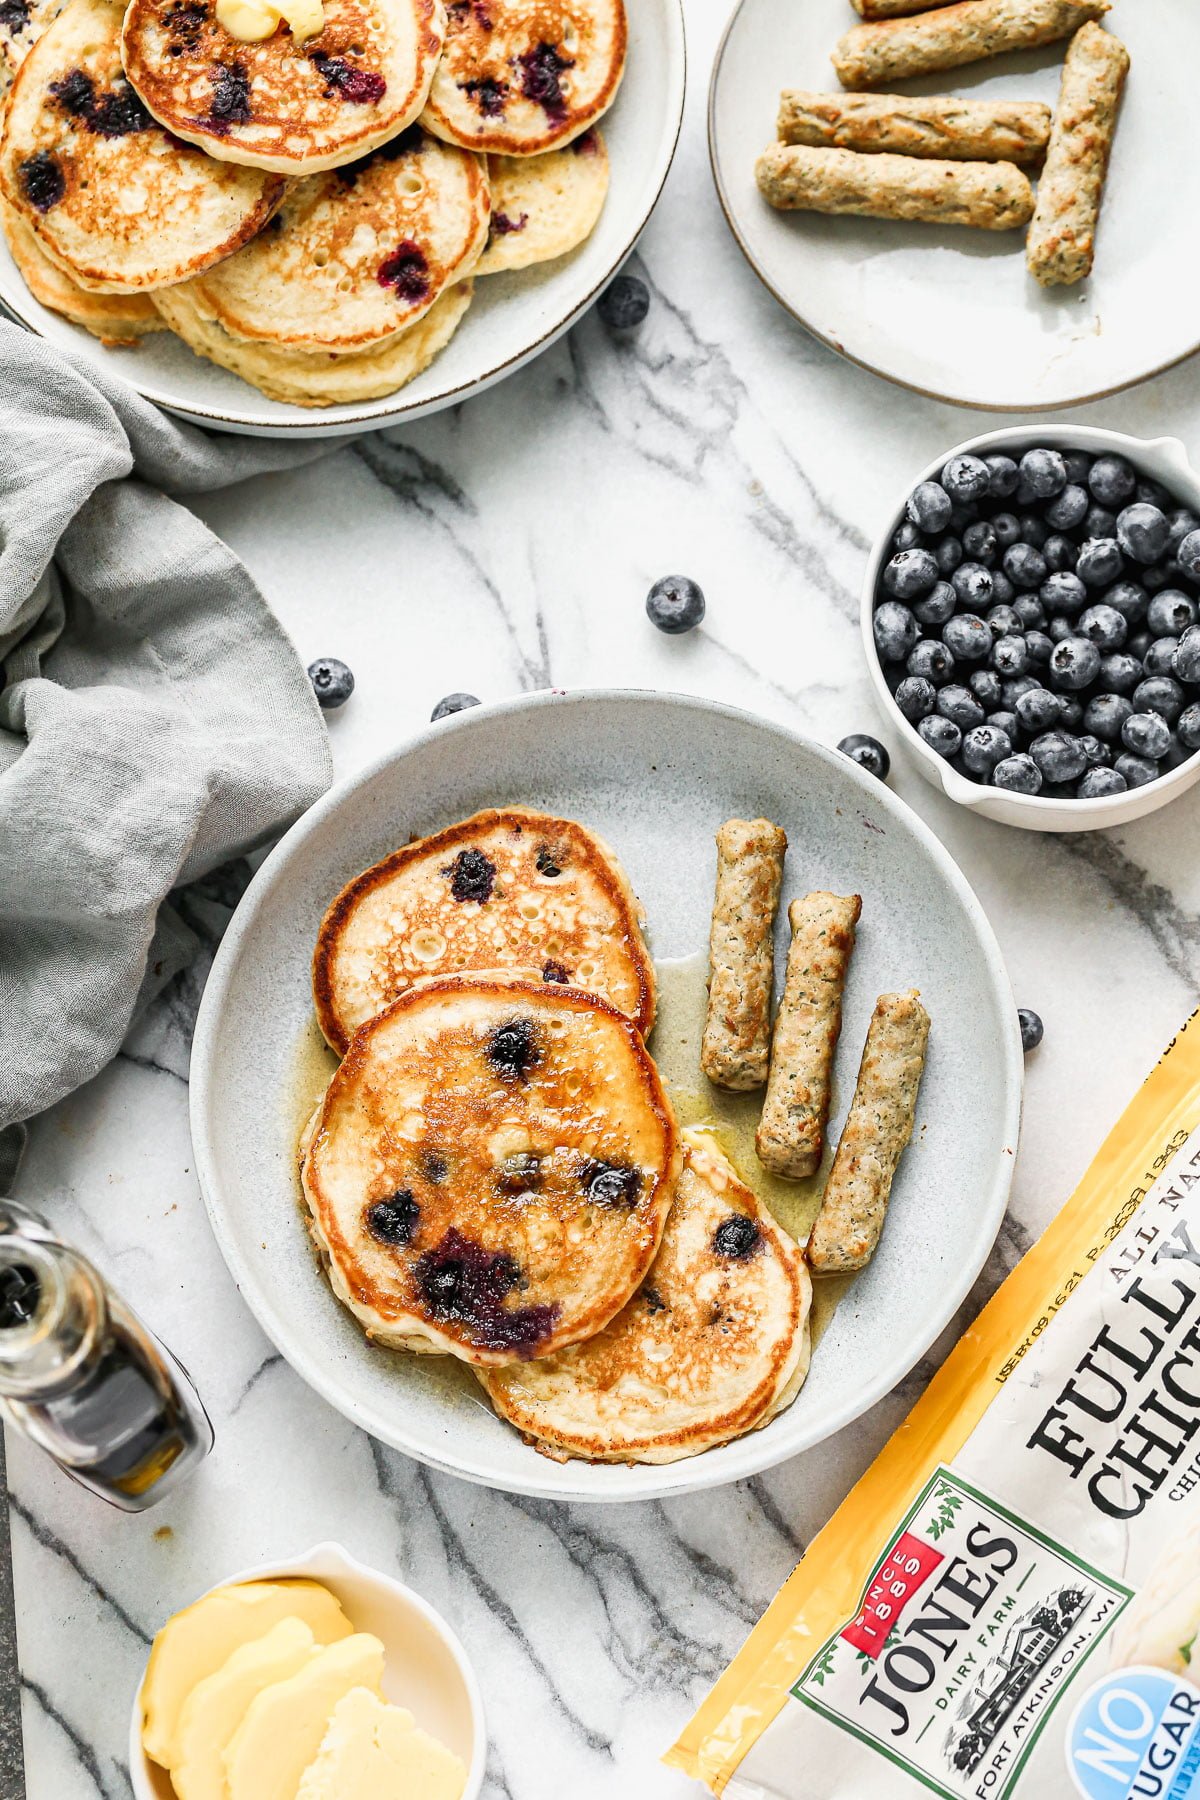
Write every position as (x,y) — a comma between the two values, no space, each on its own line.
(1032,623)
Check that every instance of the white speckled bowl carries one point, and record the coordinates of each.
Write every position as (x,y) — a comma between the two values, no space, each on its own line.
(425,1666)
(1166,460)
(655,774)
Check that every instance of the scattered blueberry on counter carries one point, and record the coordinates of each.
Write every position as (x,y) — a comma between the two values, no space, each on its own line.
(1038,623)
(332,681)
(452,703)
(1032,1029)
(624,303)
(868,753)
(675,604)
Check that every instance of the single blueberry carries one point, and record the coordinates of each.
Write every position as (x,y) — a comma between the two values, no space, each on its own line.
(973,585)
(1063,593)
(1031,612)
(929,506)
(935,607)
(1143,532)
(1043,473)
(1069,508)
(624,303)
(942,735)
(1160,694)
(968,636)
(966,478)
(1003,621)
(675,604)
(1139,645)
(1015,687)
(736,1237)
(1003,591)
(1005,529)
(332,682)
(1128,598)
(1007,722)
(1146,734)
(1010,656)
(1059,756)
(1025,565)
(513,1049)
(1136,770)
(867,752)
(1031,1029)
(1159,656)
(1058,630)
(960,706)
(948,554)
(1188,726)
(980,543)
(1151,493)
(1170,613)
(611,1184)
(1003,476)
(1099,561)
(909,574)
(1099,523)
(1078,465)
(1038,710)
(1095,749)
(1099,783)
(906,536)
(896,631)
(983,748)
(1111,480)
(1018,774)
(1179,522)
(1059,552)
(453,703)
(1185,664)
(1075,664)
(985,685)
(1187,554)
(915,697)
(932,660)
(1120,674)
(393,1221)
(472,876)
(1105,714)
(1104,626)
(1040,648)
(1070,716)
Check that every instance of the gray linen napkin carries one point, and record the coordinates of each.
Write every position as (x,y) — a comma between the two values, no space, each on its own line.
(154,716)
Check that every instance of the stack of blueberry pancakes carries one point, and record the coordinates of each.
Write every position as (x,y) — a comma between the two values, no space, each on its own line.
(495,1171)
(302,190)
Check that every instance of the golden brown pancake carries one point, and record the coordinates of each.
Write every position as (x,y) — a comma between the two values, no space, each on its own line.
(118,320)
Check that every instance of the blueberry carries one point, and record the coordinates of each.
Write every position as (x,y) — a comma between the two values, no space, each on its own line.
(1142,532)
(1160,694)
(907,537)
(1188,726)
(1136,770)
(985,685)
(1105,714)
(737,1236)
(513,1049)
(1059,552)
(1014,688)
(1146,734)
(1104,626)
(868,753)
(1034,530)
(1170,613)
(1043,473)
(1024,565)
(1059,630)
(1187,554)
(1120,674)
(1063,593)
(983,748)
(1010,656)
(1003,591)
(1138,646)
(1129,599)
(1111,480)
(1003,621)
(1003,476)
(1099,561)
(949,553)
(1159,658)
(910,574)
(1099,523)
(896,631)
(676,603)
(1005,529)
(1059,756)
(928,506)
(1018,774)
(1096,751)
(1077,464)
(332,682)
(973,585)
(453,703)
(1030,611)
(968,636)
(1179,523)
(1185,664)
(980,542)
(1031,1029)
(1069,508)
(1005,721)
(1038,710)
(942,735)
(1099,783)
(1151,493)
(1040,648)
(1070,714)
(959,705)
(1075,663)
(915,697)
(932,660)
(935,607)
(966,478)
(624,303)
(395,1220)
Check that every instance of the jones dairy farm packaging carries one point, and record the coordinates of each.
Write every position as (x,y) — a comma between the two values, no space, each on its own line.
(1008,1602)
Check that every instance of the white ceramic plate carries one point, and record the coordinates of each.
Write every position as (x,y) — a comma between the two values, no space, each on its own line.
(655,774)
(949,311)
(512,317)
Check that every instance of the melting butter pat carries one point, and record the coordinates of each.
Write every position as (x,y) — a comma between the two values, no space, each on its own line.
(372,1751)
(217,1705)
(250,21)
(284,1726)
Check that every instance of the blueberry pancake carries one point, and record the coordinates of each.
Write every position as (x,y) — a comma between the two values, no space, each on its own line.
(543,206)
(357,254)
(317,378)
(518,77)
(113,199)
(116,319)
(284,103)
(713,1344)
(22,23)
(491,1168)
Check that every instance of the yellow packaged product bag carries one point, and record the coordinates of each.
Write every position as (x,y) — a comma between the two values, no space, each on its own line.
(1008,1602)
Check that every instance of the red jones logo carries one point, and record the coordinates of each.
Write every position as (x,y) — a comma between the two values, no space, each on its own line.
(909,1565)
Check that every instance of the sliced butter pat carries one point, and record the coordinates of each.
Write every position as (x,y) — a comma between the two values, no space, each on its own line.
(217,1705)
(283,1727)
(250,21)
(195,1643)
(372,1751)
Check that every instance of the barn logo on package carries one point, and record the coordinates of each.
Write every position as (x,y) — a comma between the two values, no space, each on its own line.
(969,1631)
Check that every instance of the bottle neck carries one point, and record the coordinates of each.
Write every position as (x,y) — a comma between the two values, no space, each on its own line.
(53,1312)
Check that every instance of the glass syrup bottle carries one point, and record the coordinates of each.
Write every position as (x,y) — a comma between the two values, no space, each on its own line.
(81,1375)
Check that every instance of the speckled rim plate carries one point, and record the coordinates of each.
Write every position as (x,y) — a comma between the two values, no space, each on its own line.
(951,313)
(655,774)
(512,318)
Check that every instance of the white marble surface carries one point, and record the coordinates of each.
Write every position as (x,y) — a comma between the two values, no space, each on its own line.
(508,546)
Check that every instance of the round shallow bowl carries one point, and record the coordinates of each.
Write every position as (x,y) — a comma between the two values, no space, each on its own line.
(656,775)
(512,318)
(425,1666)
(1163,458)
(951,311)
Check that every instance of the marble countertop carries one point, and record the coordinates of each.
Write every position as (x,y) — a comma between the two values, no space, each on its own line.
(506,546)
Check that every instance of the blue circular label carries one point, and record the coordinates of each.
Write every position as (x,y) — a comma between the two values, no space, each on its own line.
(1136,1736)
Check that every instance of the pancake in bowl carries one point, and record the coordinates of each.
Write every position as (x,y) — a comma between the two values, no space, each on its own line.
(117,320)
(543,206)
(355,255)
(714,1343)
(518,77)
(112,199)
(292,107)
(507,888)
(490,1169)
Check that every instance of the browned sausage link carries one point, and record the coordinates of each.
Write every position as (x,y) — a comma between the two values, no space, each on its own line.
(1062,237)
(994,196)
(878,1126)
(942,125)
(872,55)
(791,1132)
(736,1050)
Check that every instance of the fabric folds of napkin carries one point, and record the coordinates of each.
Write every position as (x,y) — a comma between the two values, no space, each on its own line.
(155,719)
